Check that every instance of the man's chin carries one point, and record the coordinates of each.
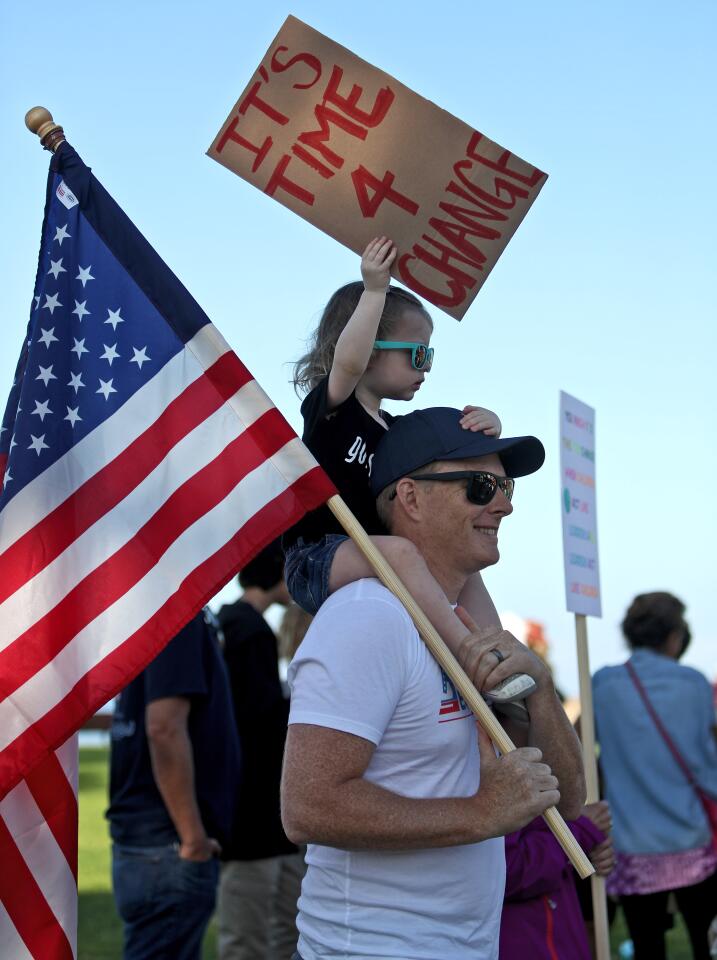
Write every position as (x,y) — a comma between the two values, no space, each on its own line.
(491,560)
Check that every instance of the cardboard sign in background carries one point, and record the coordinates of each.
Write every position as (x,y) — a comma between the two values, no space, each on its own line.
(359,155)
(578,500)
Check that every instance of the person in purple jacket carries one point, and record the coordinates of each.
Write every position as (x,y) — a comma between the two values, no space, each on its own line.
(541,915)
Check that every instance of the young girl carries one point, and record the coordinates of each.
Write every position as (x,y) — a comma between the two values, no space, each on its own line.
(372,343)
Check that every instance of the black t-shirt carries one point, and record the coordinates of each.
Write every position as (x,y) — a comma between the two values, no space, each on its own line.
(191,666)
(262,714)
(343,440)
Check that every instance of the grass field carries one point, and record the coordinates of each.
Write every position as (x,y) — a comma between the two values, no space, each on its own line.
(100,931)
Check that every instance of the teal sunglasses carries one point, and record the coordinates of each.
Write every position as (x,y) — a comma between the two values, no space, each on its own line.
(421,353)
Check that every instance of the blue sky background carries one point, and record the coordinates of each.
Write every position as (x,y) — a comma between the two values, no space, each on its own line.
(607,290)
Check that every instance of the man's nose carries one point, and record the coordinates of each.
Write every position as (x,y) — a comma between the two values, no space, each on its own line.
(503,506)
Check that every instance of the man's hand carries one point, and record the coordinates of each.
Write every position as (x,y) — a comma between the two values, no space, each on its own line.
(514,788)
(201,848)
(376,264)
(478,418)
(600,815)
(485,668)
(602,858)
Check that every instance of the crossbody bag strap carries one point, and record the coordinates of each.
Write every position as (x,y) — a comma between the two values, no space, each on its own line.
(658,723)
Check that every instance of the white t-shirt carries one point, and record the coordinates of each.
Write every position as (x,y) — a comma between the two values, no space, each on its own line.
(363,669)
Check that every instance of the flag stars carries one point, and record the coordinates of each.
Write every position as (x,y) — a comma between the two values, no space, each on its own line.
(61,234)
(37,302)
(84,275)
(56,268)
(110,353)
(7,478)
(140,356)
(46,374)
(13,443)
(76,381)
(38,444)
(41,409)
(80,309)
(73,416)
(48,337)
(51,302)
(79,348)
(114,317)
(106,388)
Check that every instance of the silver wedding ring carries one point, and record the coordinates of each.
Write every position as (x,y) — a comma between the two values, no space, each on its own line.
(499,655)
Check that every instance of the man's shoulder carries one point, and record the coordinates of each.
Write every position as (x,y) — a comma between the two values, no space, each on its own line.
(370,596)
(363,613)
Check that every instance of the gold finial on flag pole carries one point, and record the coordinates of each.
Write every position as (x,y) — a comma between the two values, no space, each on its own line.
(39,120)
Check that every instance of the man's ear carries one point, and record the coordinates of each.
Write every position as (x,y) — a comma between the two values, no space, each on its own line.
(407,494)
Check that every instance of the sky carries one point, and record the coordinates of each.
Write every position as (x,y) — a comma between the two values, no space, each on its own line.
(606,290)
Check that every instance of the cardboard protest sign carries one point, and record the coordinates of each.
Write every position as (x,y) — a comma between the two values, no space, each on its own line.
(359,155)
(577,488)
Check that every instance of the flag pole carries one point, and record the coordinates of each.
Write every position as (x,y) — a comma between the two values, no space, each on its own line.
(448,662)
(65,823)
(587,736)
(39,120)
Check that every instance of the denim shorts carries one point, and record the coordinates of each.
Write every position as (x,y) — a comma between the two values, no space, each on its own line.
(307,568)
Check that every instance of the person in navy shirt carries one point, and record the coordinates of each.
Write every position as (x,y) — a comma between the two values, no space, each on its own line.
(173,782)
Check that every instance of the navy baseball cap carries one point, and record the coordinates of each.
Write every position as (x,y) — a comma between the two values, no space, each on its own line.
(426,436)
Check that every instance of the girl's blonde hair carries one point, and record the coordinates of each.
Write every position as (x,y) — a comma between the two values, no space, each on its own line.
(316,362)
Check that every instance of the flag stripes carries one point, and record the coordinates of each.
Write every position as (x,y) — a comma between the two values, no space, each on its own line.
(38,853)
(110,579)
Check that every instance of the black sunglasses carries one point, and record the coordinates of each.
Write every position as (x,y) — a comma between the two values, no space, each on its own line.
(481,488)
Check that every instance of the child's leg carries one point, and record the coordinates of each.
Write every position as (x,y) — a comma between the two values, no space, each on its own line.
(477,601)
(349,564)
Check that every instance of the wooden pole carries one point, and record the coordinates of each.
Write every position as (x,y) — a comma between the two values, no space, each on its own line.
(448,662)
(587,735)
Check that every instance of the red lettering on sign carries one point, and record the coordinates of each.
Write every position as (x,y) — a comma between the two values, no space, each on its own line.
(364,181)
(253,100)
(501,165)
(310,160)
(457,288)
(317,138)
(473,226)
(308,58)
(447,253)
(457,236)
(279,182)
(349,104)
(511,189)
(489,213)
(231,134)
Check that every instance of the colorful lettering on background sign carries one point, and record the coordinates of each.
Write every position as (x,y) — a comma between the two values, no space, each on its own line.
(356,153)
(577,462)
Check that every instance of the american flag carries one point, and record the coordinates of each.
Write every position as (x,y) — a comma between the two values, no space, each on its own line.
(143,466)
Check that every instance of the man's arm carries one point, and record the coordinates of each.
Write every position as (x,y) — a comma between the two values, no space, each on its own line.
(553,734)
(327,800)
(549,730)
(170,750)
